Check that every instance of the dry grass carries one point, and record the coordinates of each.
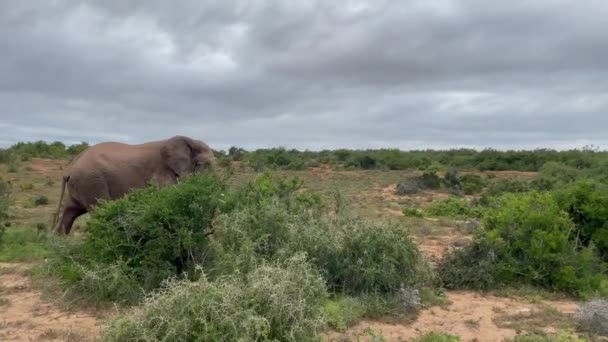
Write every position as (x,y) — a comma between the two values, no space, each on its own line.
(534,321)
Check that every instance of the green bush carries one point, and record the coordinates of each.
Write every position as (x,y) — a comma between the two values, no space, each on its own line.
(344,311)
(26,187)
(475,266)
(430,180)
(370,257)
(436,337)
(12,166)
(554,175)
(147,236)
(354,255)
(274,302)
(276,158)
(40,200)
(412,212)
(451,207)
(586,203)
(236,153)
(527,239)
(472,184)
(452,182)
(500,186)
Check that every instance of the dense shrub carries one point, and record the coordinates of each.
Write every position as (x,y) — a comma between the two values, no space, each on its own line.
(500,186)
(475,266)
(354,255)
(412,212)
(366,162)
(236,153)
(144,238)
(274,302)
(430,180)
(586,203)
(526,240)
(472,184)
(452,182)
(452,207)
(370,257)
(554,175)
(276,158)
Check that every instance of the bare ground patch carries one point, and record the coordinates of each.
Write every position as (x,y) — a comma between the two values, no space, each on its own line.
(472,316)
(25,316)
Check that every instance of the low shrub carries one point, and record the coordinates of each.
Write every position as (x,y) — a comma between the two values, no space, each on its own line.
(554,175)
(500,186)
(430,180)
(436,337)
(412,212)
(343,311)
(359,256)
(40,200)
(452,207)
(475,266)
(26,186)
(12,166)
(452,182)
(472,184)
(562,337)
(526,240)
(274,302)
(354,255)
(408,187)
(592,317)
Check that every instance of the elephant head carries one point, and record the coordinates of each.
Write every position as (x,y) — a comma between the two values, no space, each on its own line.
(184,155)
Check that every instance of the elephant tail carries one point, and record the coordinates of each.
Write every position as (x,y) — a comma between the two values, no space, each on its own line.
(56,216)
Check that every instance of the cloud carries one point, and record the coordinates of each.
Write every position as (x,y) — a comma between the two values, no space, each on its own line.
(307,74)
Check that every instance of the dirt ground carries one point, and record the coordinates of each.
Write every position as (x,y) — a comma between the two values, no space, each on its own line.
(470,316)
(25,316)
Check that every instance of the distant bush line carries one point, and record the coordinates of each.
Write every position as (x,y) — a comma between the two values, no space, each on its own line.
(40,149)
(394,159)
(385,159)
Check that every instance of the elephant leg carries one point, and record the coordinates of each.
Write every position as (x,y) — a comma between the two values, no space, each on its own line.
(71,212)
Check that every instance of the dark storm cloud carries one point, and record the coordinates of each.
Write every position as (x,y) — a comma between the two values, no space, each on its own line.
(307,74)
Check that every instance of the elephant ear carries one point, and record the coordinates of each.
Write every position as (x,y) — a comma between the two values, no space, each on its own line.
(177,154)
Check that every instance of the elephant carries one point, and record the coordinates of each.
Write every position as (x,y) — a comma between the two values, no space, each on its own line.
(109,170)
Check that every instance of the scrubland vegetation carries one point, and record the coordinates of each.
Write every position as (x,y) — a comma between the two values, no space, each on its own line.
(268,258)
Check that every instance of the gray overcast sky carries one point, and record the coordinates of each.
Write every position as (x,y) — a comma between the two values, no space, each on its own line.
(307,74)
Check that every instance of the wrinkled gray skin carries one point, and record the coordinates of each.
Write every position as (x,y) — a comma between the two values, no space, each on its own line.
(109,170)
